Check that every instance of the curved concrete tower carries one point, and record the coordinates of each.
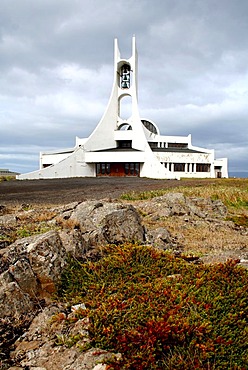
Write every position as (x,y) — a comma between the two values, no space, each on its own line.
(125,84)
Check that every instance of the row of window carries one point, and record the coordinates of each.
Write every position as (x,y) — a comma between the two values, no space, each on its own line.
(133,169)
(155,145)
(189,167)
(128,169)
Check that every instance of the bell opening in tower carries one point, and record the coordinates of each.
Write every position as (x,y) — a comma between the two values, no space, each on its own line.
(125,76)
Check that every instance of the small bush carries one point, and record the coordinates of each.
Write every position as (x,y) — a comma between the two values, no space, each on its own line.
(161,312)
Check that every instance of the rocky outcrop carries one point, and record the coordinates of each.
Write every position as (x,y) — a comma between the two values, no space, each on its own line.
(100,223)
(176,204)
(31,267)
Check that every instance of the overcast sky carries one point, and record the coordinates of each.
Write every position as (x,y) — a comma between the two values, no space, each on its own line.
(56,72)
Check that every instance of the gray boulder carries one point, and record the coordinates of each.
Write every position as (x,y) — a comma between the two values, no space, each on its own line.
(102,223)
(176,204)
(161,238)
(35,263)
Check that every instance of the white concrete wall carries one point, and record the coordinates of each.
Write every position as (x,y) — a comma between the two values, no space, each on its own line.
(72,166)
(46,159)
(223,163)
(114,157)
(176,157)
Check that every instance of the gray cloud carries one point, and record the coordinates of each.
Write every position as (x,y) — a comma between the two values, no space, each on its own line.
(57,67)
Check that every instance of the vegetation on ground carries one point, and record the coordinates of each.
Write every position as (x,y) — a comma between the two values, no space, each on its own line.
(28,222)
(232,192)
(7,178)
(159,311)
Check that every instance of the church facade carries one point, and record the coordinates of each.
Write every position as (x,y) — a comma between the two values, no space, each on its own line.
(131,146)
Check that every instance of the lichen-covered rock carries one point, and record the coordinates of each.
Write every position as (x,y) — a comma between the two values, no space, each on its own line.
(30,269)
(106,222)
(176,204)
(161,238)
(207,207)
(73,243)
(14,302)
(47,256)
(37,349)
(123,225)
(35,263)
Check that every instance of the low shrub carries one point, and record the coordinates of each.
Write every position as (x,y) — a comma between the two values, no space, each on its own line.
(159,311)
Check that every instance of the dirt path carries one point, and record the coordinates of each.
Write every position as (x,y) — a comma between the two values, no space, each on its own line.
(62,191)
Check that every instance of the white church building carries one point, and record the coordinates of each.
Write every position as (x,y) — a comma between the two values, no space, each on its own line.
(131,146)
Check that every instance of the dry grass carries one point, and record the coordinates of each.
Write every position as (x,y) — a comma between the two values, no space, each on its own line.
(232,192)
(201,237)
(67,223)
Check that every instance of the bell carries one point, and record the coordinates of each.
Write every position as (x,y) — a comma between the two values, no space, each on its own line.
(124,85)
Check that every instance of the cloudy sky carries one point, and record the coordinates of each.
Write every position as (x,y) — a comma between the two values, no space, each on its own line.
(56,72)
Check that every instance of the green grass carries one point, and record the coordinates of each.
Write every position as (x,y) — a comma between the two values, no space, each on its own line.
(233,192)
(159,311)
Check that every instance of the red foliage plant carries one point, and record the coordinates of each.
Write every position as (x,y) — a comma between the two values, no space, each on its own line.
(197,321)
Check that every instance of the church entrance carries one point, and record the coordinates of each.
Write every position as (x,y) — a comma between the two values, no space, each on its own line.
(118,169)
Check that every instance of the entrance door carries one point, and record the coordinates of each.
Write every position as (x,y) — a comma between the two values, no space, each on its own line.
(118,169)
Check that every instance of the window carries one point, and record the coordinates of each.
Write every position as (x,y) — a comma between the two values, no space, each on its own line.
(107,168)
(136,169)
(126,168)
(98,168)
(202,167)
(103,168)
(124,144)
(132,169)
(177,145)
(153,145)
(124,127)
(179,167)
(149,126)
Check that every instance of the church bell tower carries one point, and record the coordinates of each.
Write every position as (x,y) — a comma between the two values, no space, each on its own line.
(125,84)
